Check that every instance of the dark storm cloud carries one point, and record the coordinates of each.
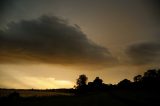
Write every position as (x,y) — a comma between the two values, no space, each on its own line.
(147,53)
(144,53)
(155,6)
(49,39)
(3,4)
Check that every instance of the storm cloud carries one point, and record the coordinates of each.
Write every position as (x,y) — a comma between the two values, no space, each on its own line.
(144,53)
(49,39)
(148,52)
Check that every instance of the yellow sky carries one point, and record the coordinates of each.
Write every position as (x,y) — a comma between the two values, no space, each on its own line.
(47,76)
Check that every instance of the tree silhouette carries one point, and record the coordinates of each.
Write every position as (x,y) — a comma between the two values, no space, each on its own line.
(82,80)
(151,73)
(81,84)
(97,83)
(148,81)
(137,78)
(151,79)
(124,84)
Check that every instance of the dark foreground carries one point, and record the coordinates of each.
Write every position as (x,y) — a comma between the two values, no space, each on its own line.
(108,98)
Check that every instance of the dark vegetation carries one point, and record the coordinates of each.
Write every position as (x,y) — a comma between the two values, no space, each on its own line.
(143,90)
(149,81)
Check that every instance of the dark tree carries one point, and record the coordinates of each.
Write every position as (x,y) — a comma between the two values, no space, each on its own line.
(151,79)
(81,82)
(125,84)
(151,74)
(137,78)
(97,83)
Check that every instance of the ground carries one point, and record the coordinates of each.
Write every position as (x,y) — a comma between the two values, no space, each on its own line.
(108,98)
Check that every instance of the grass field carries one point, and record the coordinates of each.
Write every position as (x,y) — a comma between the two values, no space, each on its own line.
(108,98)
(33,93)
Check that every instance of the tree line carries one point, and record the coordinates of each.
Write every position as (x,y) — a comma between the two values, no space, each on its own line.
(150,80)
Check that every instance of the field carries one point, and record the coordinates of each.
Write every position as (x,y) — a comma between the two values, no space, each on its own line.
(108,98)
(33,93)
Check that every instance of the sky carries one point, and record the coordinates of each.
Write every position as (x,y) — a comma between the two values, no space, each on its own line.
(48,43)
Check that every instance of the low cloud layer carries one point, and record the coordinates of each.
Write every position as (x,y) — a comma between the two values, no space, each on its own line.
(49,39)
(144,53)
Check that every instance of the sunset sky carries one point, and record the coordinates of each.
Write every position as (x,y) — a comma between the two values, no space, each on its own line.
(49,43)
